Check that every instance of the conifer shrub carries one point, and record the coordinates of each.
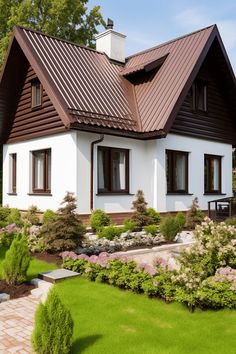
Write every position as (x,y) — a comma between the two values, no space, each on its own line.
(67,231)
(16,262)
(53,327)
(151,229)
(169,228)
(15,217)
(140,216)
(110,232)
(4,212)
(194,215)
(49,216)
(129,225)
(99,219)
(31,216)
(180,220)
(153,215)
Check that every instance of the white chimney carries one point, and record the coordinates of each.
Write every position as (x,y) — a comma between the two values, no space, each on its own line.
(111,42)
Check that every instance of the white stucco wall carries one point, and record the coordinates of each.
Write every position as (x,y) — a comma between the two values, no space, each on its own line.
(71,171)
(63,171)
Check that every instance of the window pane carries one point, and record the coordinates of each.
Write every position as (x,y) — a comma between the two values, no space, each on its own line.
(212,174)
(216,174)
(180,172)
(12,173)
(37,94)
(168,171)
(103,169)
(49,169)
(118,170)
(39,170)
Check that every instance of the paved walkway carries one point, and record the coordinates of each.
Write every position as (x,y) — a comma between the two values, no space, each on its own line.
(16,325)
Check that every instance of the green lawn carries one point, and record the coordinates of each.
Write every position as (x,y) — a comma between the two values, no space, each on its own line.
(108,320)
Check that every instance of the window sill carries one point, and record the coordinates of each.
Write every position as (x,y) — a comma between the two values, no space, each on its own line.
(35,108)
(179,193)
(110,194)
(12,193)
(41,194)
(214,193)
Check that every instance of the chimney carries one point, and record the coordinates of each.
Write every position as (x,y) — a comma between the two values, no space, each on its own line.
(111,42)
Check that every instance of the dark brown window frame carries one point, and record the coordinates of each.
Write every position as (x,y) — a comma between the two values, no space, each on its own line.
(172,154)
(219,158)
(33,94)
(13,172)
(111,150)
(195,98)
(45,189)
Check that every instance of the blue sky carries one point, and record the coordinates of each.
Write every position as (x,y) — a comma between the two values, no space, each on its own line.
(148,22)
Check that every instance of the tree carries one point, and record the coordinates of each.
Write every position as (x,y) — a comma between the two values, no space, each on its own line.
(67,19)
(140,216)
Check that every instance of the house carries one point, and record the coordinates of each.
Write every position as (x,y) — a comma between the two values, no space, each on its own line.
(103,126)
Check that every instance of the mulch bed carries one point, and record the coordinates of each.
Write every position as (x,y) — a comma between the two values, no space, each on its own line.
(16,291)
(48,257)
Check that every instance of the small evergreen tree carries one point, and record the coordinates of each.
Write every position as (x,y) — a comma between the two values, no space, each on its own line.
(53,327)
(194,215)
(140,216)
(66,232)
(31,216)
(16,262)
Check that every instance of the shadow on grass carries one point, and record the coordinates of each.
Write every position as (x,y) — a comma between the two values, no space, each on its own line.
(79,345)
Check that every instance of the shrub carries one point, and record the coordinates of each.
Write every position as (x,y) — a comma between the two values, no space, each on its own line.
(110,232)
(31,215)
(140,216)
(129,225)
(169,228)
(4,212)
(3,224)
(15,217)
(66,232)
(180,220)
(6,239)
(53,327)
(153,215)
(49,216)
(194,215)
(231,221)
(99,219)
(151,229)
(16,262)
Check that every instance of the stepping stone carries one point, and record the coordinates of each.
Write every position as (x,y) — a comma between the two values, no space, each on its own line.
(57,275)
(4,297)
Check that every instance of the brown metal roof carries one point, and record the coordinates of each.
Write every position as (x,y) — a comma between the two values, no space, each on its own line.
(88,90)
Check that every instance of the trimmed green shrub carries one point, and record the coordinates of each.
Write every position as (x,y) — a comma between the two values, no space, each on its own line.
(6,239)
(194,215)
(53,327)
(49,216)
(153,215)
(180,220)
(15,217)
(31,215)
(140,216)
(110,232)
(129,225)
(67,231)
(99,219)
(4,212)
(151,229)
(16,262)
(169,228)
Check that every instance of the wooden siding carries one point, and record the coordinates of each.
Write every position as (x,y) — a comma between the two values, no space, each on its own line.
(31,122)
(218,122)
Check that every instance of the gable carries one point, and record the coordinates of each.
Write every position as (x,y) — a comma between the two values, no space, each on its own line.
(28,122)
(218,123)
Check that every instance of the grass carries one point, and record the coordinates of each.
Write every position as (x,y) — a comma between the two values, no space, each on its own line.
(108,320)
(36,266)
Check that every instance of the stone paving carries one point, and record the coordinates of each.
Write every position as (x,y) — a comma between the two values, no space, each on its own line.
(16,325)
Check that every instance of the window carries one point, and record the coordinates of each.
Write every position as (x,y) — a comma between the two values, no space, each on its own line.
(199,92)
(177,171)
(212,169)
(12,173)
(113,170)
(36,94)
(41,171)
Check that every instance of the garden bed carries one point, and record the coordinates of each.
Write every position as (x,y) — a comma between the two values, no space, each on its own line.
(16,291)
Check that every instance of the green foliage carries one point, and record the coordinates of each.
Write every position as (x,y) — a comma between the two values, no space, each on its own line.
(153,215)
(77,265)
(67,19)
(3,224)
(151,229)
(16,262)
(49,216)
(194,215)
(6,239)
(4,213)
(180,220)
(129,225)
(231,221)
(66,232)
(169,227)
(31,216)
(140,216)
(15,217)
(99,219)
(110,232)
(53,327)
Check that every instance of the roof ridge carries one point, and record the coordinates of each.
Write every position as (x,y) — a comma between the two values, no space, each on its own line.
(59,39)
(170,41)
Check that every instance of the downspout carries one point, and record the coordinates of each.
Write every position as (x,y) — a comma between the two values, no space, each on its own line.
(92,169)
